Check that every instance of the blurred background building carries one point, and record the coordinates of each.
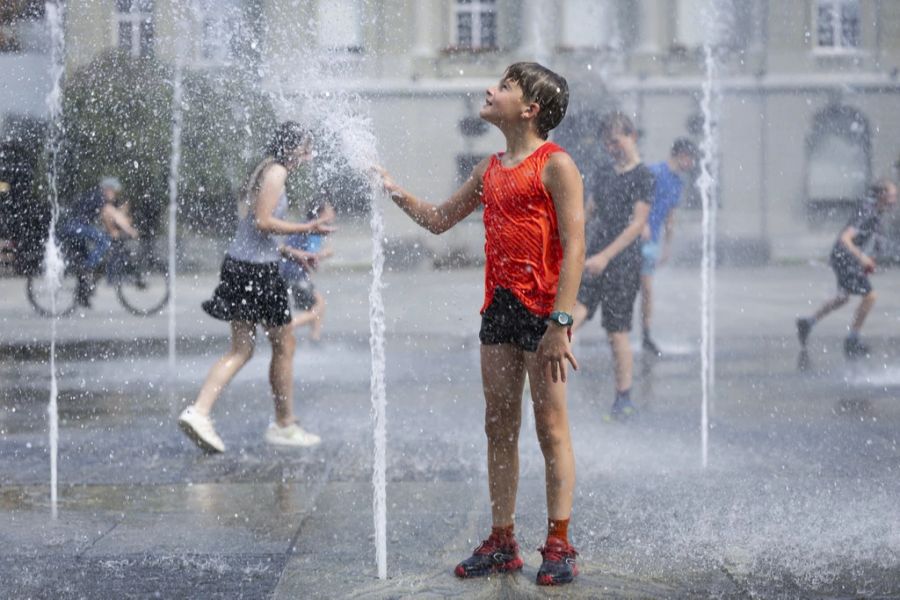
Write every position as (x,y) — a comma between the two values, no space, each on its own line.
(808,112)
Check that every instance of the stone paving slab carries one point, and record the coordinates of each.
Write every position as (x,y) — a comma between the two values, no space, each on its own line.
(798,500)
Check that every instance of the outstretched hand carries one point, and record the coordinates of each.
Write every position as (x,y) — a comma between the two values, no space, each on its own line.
(390,186)
(556,348)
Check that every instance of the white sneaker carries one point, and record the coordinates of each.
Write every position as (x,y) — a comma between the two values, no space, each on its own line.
(200,429)
(292,435)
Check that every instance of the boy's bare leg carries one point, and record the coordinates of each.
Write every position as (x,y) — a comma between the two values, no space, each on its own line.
(833,304)
(622,359)
(503,378)
(243,338)
(862,311)
(552,422)
(312,317)
(281,372)
(318,310)
(646,301)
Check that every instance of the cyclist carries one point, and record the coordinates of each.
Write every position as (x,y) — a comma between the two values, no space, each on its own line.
(95,220)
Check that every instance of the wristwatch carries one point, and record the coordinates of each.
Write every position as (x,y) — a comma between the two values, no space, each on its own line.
(563,319)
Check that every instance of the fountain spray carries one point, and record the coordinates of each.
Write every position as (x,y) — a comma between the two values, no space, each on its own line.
(174,165)
(54,264)
(706,184)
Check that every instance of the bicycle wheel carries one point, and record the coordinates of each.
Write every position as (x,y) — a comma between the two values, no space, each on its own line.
(39,295)
(144,292)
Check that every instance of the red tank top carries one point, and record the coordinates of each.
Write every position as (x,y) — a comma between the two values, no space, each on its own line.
(522,244)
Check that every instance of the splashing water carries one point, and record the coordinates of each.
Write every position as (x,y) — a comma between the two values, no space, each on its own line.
(174,164)
(342,127)
(706,184)
(54,264)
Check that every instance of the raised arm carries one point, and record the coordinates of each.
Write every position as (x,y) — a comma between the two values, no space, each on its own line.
(438,218)
(267,197)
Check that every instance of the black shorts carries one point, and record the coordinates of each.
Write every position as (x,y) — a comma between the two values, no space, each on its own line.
(303,293)
(851,277)
(250,292)
(507,321)
(614,291)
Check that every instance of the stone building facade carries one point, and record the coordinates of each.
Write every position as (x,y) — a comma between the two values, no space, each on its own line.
(808,89)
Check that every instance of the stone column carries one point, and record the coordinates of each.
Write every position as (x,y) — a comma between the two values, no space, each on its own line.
(425,13)
(651,26)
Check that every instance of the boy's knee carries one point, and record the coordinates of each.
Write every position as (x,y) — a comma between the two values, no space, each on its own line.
(550,433)
(498,432)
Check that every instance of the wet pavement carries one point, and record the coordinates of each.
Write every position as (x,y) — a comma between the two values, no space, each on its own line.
(798,500)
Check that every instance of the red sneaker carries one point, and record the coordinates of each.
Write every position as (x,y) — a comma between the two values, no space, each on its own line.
(559,563)
(493,555)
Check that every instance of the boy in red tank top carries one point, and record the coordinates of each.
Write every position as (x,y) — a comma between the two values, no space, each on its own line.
(534,225)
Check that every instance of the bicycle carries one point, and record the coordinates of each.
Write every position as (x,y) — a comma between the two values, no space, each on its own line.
(141,280)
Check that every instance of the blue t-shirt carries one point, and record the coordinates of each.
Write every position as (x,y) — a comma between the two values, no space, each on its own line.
(291,270)
(667,196)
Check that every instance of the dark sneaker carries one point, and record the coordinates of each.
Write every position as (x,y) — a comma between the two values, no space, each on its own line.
(650,346)
(854,348)
(803,329)
(559,563)
(492,556)
(622,409)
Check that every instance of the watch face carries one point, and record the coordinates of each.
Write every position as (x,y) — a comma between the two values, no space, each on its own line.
(563,319)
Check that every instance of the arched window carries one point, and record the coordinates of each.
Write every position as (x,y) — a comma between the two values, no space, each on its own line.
(839,159)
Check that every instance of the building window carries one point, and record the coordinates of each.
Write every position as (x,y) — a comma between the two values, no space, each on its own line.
(475,24)
(839,160)
(217,28)
(133,27)
(737,22)
(837,24)
(340,25)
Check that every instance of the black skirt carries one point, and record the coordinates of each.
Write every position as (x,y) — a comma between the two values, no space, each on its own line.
(250,292)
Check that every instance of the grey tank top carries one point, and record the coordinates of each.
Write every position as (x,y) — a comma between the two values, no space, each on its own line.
(255,246)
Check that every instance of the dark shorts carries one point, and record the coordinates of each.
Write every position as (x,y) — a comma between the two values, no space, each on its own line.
(303,293)
(851,277)
(507,321)
(614,291)
(250,292)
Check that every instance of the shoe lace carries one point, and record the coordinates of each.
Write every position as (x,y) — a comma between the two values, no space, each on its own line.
(494,544)
(557,552)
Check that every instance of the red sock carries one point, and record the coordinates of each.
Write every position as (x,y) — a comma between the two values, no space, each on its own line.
(504,532)
(558,529)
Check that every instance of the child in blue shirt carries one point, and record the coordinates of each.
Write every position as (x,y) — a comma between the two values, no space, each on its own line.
(302,253)
(667,194)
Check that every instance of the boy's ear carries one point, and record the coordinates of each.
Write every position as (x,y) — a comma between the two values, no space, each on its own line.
(532,110)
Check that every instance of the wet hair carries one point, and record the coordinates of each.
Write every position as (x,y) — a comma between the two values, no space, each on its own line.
(616,121)
(880,187)
(686,147)
(289,136)
(541,85)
